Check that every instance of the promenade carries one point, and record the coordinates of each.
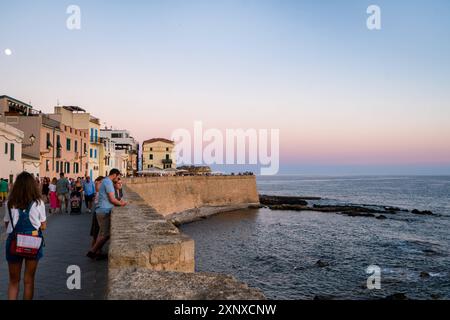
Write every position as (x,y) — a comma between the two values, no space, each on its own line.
(67,241)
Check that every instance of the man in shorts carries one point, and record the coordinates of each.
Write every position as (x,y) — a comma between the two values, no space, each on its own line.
(89,193)
(63,190)
(3,190)
(106,202)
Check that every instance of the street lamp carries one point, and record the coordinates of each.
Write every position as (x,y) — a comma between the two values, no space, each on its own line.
(32,139)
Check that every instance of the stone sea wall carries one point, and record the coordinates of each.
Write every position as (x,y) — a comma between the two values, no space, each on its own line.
(149,258)
(186,199)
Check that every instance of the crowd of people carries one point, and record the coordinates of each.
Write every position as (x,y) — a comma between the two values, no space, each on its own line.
(26,202)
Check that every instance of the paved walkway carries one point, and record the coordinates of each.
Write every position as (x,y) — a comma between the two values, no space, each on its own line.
(67,241)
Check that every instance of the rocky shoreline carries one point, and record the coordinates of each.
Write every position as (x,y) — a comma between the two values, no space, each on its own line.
(299,203)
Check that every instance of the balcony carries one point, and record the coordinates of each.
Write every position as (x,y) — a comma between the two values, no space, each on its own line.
(167,161)
(94,140)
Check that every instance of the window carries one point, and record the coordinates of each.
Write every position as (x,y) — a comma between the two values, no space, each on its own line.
(57,166)
(167,149)
(151,156)
(58,146)
(95,153)
(167,157)
(48,141)
(6,148)
(151,149)
(90,153)
(68,144)
(75,167)
(11,153)
(92,135)
(116,135)
(47,165)
(67,167)
(76,146)
(85,148)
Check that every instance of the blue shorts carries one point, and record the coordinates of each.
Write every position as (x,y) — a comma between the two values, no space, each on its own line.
(13,258)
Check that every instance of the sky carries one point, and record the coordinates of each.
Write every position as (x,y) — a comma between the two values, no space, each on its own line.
(345,99)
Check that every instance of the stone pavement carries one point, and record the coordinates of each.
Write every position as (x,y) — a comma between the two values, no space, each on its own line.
(67,241)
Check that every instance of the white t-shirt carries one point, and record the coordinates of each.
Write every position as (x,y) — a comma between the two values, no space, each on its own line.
(37,215)
(52,188)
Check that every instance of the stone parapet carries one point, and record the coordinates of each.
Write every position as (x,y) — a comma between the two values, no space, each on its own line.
(149,258)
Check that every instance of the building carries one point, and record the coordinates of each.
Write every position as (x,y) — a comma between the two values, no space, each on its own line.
(31,165)
(11,151)
(158,153)
(78,119)
(108,157)
(126,147)
(50,138)
(94,148)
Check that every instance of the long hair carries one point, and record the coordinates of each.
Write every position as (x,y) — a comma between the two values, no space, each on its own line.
(24,191)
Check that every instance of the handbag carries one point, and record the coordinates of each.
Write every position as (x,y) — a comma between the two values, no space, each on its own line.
(24,245)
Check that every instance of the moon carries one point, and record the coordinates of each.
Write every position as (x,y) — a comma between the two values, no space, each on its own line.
(8,52)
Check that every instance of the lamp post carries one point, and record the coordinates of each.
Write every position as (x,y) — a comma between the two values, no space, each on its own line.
(32,139)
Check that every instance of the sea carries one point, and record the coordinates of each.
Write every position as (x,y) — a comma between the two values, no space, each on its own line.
(362,258)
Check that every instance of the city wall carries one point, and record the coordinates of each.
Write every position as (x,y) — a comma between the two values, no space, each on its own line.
(149,258)
(189,198)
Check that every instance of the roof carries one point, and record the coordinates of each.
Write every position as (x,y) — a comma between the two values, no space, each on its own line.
(16,101)
(74,108)
(158,139)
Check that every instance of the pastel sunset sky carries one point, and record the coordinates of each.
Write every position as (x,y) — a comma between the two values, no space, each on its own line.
(342,96)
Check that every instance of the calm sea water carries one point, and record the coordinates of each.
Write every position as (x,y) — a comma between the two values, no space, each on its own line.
(277,251)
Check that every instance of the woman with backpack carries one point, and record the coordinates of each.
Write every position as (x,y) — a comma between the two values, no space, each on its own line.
(25,219)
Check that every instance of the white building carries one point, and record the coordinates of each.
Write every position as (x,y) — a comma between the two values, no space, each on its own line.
(31,164)
(10,151)
(108,157)
(126,147)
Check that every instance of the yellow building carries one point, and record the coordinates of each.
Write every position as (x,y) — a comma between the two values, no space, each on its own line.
(157,153)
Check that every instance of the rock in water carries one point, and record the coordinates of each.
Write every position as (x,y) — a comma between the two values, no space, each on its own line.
(430,252)
(397,296)
(282,200)
(424,274)
(423,213)
(322,264)
(381,217)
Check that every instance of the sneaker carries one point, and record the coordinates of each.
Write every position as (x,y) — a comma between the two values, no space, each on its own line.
(91,255)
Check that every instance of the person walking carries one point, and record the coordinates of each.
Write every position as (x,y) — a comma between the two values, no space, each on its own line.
(3,190)
(63,189)
(25,217)
(53,196)
(89,192)
(45,190)
(106,202)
